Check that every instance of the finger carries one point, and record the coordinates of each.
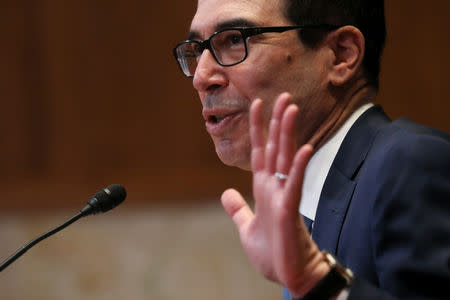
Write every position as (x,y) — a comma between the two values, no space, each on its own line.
(237,208)
(294,182)
(257,136)
(287,139)
(274,131)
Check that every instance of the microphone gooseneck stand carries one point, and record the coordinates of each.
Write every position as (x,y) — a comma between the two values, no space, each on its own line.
(25,248)
(106,199)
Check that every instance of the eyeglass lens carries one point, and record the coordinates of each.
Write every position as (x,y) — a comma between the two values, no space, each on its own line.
(187,57)
(228,48)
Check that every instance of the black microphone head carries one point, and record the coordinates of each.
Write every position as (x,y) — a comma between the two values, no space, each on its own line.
(106,199)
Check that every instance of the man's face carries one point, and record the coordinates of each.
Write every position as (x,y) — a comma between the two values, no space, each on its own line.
(276,63)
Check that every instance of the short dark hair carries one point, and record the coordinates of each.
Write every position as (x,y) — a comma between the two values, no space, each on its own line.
(366,15)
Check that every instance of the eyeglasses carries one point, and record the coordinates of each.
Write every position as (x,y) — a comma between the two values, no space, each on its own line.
(229,47)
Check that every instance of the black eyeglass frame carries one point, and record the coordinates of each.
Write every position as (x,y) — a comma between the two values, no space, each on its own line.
(246,32)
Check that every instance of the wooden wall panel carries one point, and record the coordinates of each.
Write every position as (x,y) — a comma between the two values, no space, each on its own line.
(13,137)
(91,95)
(415,79)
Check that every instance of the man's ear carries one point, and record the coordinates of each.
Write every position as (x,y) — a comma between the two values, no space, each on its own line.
(347,44)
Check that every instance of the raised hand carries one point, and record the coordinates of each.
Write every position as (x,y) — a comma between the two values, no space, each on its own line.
(274,236)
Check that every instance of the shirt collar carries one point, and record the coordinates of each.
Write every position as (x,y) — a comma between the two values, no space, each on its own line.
(320,165)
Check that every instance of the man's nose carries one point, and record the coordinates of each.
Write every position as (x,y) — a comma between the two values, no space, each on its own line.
(208,75)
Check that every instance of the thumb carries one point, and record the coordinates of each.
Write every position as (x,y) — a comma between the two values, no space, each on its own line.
(237,208)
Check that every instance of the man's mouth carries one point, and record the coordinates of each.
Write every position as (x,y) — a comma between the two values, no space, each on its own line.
(217,115)
(217,124)
(215,119)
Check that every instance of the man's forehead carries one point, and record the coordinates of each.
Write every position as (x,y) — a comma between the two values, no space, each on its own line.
(227,23)
(213,15)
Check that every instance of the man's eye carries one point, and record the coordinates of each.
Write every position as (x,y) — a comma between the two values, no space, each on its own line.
(196,49)
(189,53)
(235,39)
(231,39)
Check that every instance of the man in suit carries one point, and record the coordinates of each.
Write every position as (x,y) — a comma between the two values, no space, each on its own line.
(273,75)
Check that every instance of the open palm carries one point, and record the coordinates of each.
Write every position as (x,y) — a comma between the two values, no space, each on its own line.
(274,236)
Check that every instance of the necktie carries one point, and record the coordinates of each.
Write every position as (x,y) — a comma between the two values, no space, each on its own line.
(308,223)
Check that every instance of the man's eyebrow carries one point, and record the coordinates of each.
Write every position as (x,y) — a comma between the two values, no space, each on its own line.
(193,35)
(239,22)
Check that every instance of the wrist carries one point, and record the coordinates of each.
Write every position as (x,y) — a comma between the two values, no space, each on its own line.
(331,285)
(314,273)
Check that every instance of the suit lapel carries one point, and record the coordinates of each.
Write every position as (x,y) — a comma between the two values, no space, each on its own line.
(340,182)
(330,215)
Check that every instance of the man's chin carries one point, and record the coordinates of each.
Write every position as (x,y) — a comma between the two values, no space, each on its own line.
(233,157)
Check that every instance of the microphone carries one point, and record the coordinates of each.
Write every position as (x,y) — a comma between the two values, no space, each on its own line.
(105,200)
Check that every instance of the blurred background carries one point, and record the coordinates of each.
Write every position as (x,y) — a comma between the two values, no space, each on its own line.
(91,95)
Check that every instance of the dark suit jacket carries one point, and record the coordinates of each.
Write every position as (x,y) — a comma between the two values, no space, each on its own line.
(384,210)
